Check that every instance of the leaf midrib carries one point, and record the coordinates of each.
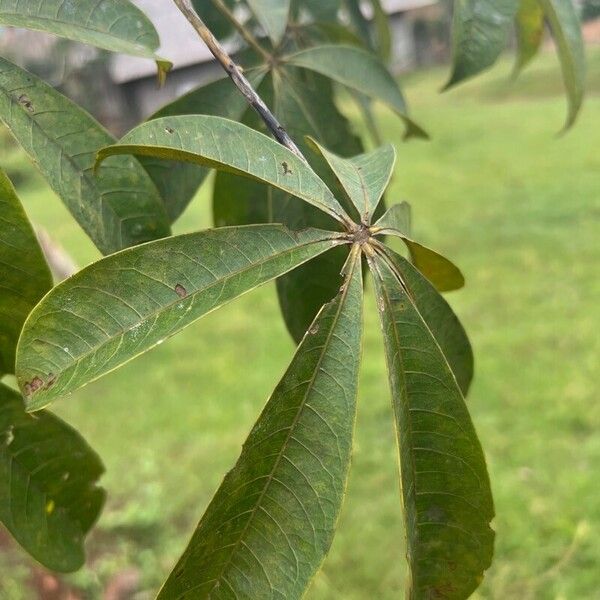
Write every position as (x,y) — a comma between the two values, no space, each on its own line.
(292,426)
(363,186)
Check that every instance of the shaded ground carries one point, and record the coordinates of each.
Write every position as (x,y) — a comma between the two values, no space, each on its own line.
(518,209)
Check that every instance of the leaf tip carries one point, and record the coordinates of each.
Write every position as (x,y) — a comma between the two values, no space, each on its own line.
(164,67)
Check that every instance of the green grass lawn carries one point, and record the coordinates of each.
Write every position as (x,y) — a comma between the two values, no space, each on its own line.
(517,208)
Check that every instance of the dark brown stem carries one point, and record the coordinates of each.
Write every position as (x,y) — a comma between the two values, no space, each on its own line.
(279,133)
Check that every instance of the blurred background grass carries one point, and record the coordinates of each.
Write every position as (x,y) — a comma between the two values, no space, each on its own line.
(517,208)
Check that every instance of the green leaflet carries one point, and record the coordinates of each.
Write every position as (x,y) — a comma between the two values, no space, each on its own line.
(440,318)
(364,178)
(360,23)
(566,31)
(442,273)
(48,494)
(119,207)
(115,25)
(445,486)
(272,15)
(397,217)
(327,32)
(480,32)
(360,71)
(377,37)
(178,182)
(323,11)
(272,521)
(365,105)
(229,146)
(127,303)
(530,32)
(384,32)
(24,274)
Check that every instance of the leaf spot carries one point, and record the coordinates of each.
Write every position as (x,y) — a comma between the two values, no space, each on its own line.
(50,506)
(169,130)
(33,386)
(286,168)
(181,291)
(25,100)
(444,590)
(36,384)
(314,329)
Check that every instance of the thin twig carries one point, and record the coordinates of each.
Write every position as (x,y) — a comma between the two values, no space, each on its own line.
(279,133)
(248,37)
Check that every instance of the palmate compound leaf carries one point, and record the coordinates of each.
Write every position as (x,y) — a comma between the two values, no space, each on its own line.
(304,102)
(272,521)
(442,273)
(177,181)
(566,31)
(129,302)
(480,30)
(364,178)
(232,147)
(24,274)
(446,493)
(119,206)
(115,25)
(358,70)
(49,499)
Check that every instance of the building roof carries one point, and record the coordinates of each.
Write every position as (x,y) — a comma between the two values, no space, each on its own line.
(180,43)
